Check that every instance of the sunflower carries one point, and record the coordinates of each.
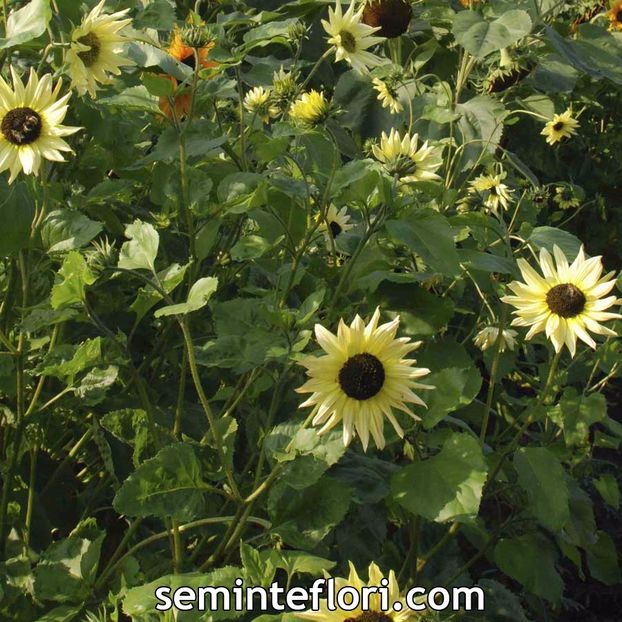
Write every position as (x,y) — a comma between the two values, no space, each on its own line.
(487,337)
(361,379)
(351,38)
(186,55)
(30,124)
(337,222)
(387,95)
(257,101)
(493,192)
(566,198)
(566,302)
(401,156)
(391,16)
(310,108)
(398,609)
(560,126)
(95,50)
(615,16)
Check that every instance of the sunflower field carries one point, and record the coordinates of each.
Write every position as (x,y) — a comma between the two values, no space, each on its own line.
(306,290)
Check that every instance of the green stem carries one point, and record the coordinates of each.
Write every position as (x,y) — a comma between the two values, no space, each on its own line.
(31,495)
(451,532)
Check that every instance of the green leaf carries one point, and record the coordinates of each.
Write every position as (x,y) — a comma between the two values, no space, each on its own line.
(607,486)
(147,296)
(198,297)
(64,613)
(292,520)
(168,485)
(447,486)
(76,276)
(547,237)
(66,230)
(27,23)
(602,560)
(157,85)
(17,209)
(542,476)
(298,562)
(88,354)
(429,234)
(141,251)
(481,37)
(133,98)
(530,559)
(575,413)
(502,605)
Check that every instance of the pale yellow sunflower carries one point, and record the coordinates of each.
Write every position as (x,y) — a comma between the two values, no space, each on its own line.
(493,192)
(560,126)
(388,96)
(402,156)
(257,101)
(487,338)
(351,38)
(310,108)
(398,610)
(565,302)
(95,50)
(338,223)
(363,376)
(31,124)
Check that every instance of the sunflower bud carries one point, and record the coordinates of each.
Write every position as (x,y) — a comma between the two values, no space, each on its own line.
(196,37)
(391,16)
(102,255)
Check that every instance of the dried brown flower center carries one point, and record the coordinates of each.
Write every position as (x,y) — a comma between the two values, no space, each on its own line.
(392,16)
(21,126)
(566,300)
(361,377)
(88,57)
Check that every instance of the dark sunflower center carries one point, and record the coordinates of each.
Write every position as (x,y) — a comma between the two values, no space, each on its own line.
(21,126)
(619,16)
(392,16)
(361,377)
(190,61)
(348,41)
(566,300)
(370,616)
(558,126)
(88,57)
(335,228)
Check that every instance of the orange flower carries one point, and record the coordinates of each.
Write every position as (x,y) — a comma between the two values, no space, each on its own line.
(467,4)
(184,54)
(615,16)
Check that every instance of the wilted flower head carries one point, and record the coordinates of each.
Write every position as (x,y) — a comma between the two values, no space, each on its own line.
(487,337)
(391,16)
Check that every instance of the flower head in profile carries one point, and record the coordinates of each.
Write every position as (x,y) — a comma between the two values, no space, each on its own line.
(284,88)
(487,338)
(402,156)
(310,108)
(615,16)
(493,192)
(560,126)
(30,124)
(363,376)
(398,609)
(387,95)
(95,51)
(567,302)
(336,223)
(351,38)
(257,101)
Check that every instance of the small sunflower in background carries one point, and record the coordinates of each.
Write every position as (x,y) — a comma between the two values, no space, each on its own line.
(402,156)
(350,38)
(336,222)
(560,126)
(398,609)
(310,108)
(392,17)
(565,302)
(284,88)
(387,94)
(95,51)
(182,47)
(566,198)
(487,338)
(492,191)
(31,127)
(363,376)
(615,16)
(257,101)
